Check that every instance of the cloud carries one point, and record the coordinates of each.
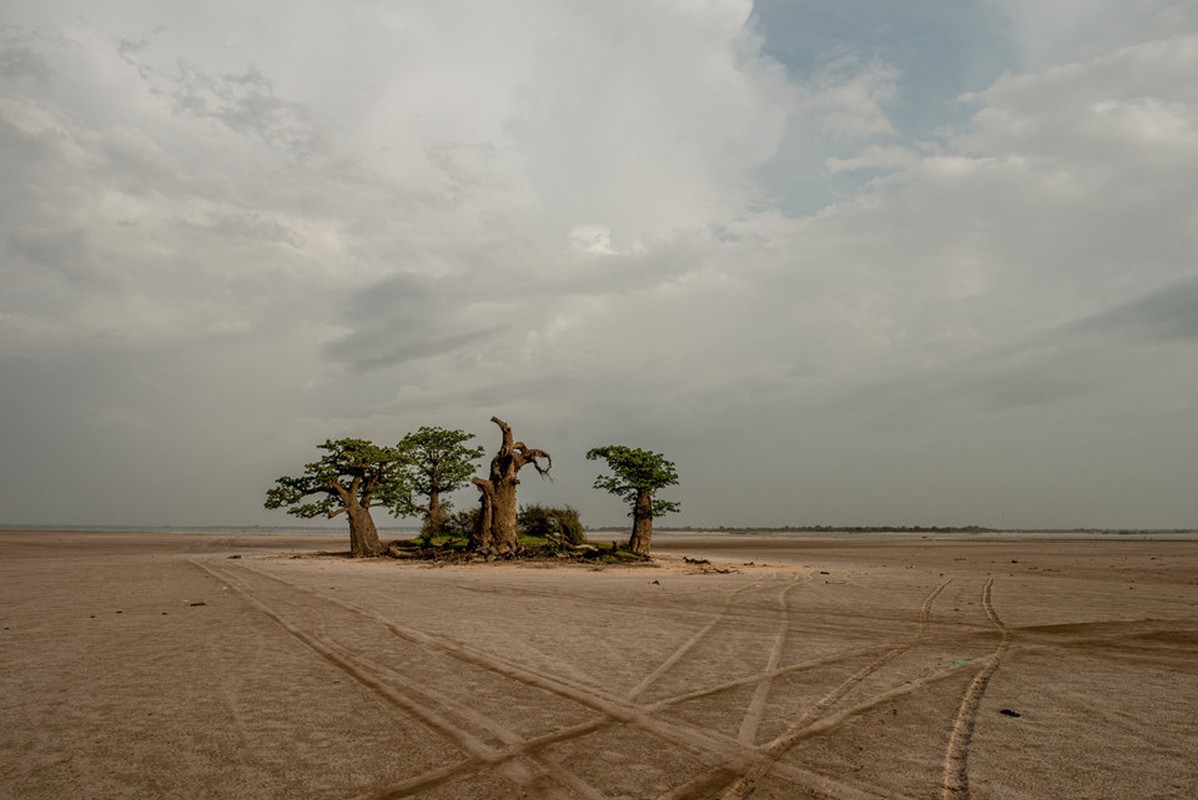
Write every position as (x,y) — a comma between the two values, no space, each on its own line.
(626,222)
(1076,30)
(247,103)
(1167,314)
(19,59)
(401,318)
(849,98)
(875,157)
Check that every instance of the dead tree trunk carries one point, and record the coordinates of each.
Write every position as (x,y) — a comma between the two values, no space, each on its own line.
(642,523)
(495,533)
(480,537)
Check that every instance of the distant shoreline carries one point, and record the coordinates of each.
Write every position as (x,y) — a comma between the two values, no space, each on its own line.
(608,533)
(601,529)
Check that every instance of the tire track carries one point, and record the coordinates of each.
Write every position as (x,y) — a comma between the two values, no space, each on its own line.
(727,754)
(750,680)
(689,644)
(633,606)
(751,721)
(956,756)
(364,670)
(833,787)
(780,744)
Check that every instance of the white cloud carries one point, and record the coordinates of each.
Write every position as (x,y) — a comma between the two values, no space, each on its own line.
(849,99)
(592,238)
(874,157)
(1069,31)
(366,221)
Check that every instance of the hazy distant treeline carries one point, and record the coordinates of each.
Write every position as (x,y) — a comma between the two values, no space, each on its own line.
(904,529)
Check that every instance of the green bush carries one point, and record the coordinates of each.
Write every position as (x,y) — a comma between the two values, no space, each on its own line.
(460,524)
(548,522)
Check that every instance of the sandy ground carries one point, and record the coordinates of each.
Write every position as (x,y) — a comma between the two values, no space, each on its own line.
(206,666)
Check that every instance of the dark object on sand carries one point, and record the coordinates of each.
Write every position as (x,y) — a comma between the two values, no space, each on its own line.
(1009,713)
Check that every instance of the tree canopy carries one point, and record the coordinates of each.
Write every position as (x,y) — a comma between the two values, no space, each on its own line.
(636,471)
(636,475)
(435,461)
(353,475)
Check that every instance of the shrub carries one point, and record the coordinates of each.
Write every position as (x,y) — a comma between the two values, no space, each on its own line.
(460,524)
(548,522)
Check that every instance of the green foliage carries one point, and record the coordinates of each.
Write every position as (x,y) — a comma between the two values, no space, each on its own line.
(635,471)
(435,461)
(547,522)
(460,524)
(444,541)
(352,470)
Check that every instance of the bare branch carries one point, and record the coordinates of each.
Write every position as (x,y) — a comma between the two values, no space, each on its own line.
(506,447)
(530,455)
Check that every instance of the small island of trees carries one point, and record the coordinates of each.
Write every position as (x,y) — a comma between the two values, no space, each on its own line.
(412,477)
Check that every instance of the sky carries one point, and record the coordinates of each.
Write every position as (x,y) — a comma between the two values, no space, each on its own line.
(843,262)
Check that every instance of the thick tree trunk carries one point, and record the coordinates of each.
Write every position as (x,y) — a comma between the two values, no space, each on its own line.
(642,524)
(503,518)
(434,521)
(363,536)
(496,530)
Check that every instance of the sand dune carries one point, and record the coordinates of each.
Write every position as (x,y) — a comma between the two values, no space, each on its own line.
(156,665)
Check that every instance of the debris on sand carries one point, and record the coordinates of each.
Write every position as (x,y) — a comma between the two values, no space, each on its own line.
(715,570)
(1006,712)
(690,560)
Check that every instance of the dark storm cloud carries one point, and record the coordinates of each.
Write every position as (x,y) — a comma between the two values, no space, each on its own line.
(1167,314)
(63,251)
(19,60)
(402,318)
(245,102)
(1085,357)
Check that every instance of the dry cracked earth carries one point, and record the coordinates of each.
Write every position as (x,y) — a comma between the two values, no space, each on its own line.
(923,669)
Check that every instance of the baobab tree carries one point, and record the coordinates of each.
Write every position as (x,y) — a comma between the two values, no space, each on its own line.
(636,475)
(495,531)
(435,462)
(353,475)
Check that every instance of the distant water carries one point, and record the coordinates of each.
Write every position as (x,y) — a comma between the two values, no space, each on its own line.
(997,536)
(218,531)
(607,536)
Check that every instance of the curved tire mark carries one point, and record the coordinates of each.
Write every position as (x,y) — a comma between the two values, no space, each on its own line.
(751,721)
(688,645)
(364,671)
(772,751)
(956,757)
